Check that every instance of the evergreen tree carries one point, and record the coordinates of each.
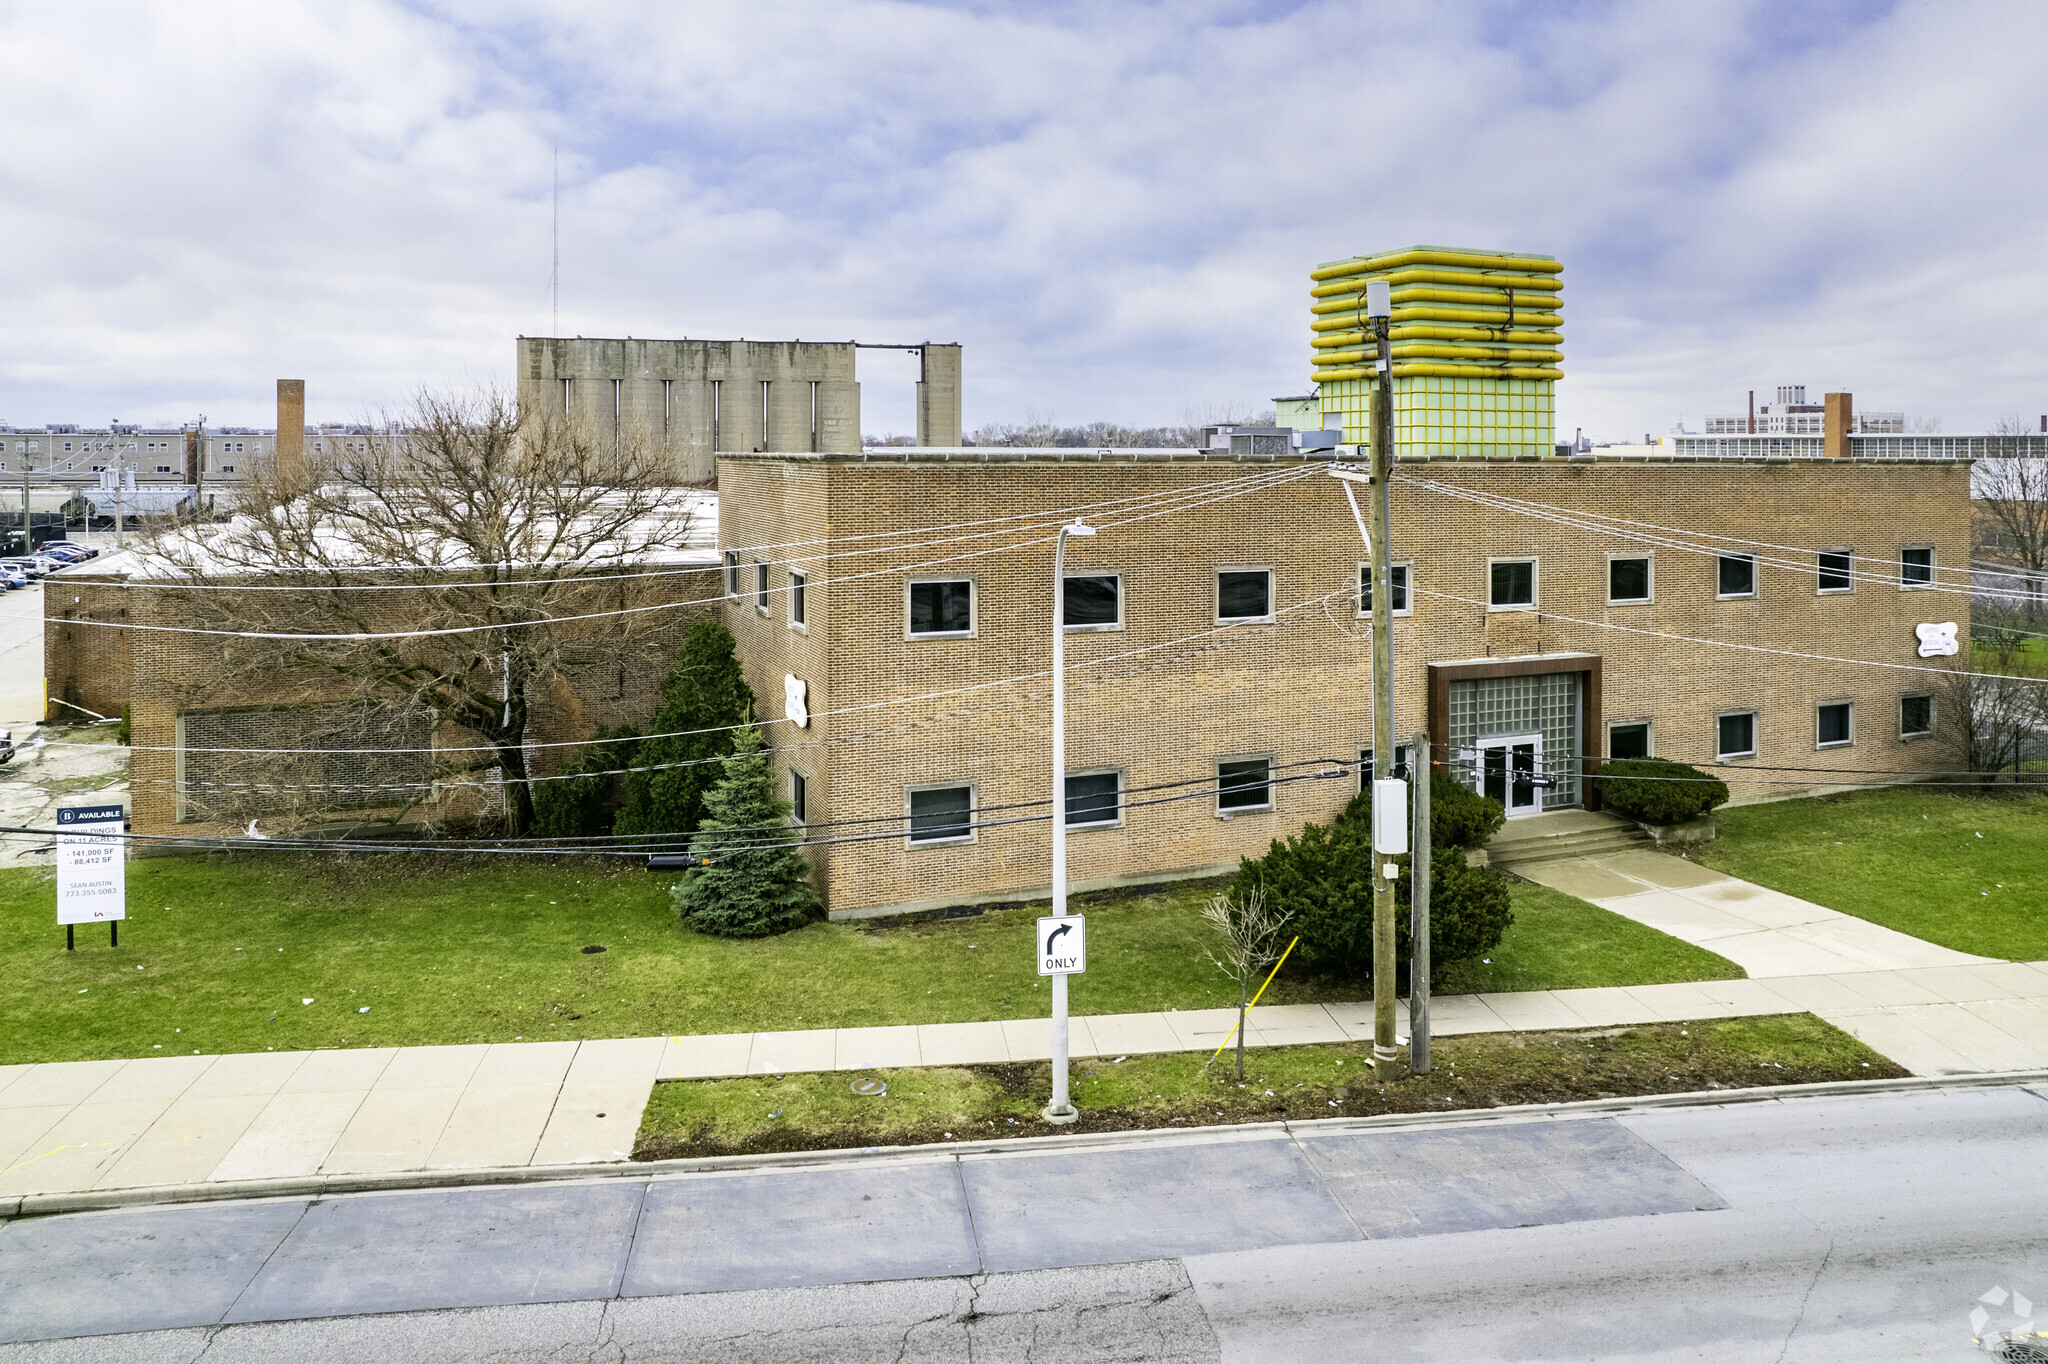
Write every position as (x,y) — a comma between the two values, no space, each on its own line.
(704,691)
(753,881)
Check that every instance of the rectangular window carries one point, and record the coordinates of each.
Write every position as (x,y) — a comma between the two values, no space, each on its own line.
(1365,773)
(1244,784)
(1735,735)
(1628,580)
(1916,566)
(732,573)
(761,588)
(1916,716)
(942,607)
(1627,741)
(797,582)
(1094,798)
(1244,594)
(1735,575)
(942,814)
(1397,574)
(163,468)
(1092,601)
(1833,571)
(799,791)
(1511,585)
(1832,724)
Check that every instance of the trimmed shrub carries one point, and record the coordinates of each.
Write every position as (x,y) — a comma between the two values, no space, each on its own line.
(1459,817)
(1322,879)
(755,882)
(1657,790)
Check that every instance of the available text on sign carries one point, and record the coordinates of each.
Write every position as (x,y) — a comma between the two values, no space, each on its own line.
(92,871)
(1063,946)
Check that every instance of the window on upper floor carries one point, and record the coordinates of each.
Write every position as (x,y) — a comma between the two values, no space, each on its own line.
(1735,575)
(941,606)
(1511,585)
(1244,594)
(1916,566)
(1628,579)
(1397,574)
(1092,601)
(1832,571)
(797,583)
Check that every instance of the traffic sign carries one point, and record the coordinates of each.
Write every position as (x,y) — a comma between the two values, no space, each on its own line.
(92,882)
(1062,945)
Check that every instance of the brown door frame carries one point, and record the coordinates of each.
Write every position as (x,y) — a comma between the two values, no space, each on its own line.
(1592,726)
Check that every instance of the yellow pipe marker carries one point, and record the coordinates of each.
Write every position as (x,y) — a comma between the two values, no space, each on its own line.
(1255,1000)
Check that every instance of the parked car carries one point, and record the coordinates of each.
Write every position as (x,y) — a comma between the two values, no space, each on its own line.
(32,567)
(61,553)
(11,577)
(87,550)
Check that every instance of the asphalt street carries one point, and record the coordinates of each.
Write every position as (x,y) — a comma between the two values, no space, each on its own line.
(1822,1228)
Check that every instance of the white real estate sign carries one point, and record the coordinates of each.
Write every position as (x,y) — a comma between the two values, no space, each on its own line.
(92,872)
(1062,946)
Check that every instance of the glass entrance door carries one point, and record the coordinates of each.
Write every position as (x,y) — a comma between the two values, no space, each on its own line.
(1508,767)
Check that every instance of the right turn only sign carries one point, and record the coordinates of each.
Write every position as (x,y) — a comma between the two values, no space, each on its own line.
(1063,946)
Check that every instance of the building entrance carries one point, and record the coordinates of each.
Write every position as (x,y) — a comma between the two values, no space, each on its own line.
(1508,770)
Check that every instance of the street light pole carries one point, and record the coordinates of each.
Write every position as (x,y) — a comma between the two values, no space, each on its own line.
(1385,1051)
(1061,1109)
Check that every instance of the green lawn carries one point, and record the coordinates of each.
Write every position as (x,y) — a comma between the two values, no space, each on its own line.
(1966,871)
(221,951)
(946,1103)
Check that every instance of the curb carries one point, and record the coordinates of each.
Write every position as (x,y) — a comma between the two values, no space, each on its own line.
(325,1186)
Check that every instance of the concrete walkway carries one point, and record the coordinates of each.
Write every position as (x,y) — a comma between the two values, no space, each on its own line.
(164,1121)
(1765,932)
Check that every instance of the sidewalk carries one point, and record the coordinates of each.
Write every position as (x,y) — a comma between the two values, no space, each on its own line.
(95,1125)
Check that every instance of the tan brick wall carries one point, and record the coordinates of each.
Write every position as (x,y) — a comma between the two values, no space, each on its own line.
(1295,689)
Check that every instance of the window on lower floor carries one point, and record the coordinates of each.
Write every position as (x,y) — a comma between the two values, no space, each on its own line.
(1511,584)
(732,572)
(1833,571)
(1916,716)
(799,790)
(1916,566)
(1628,580)
(1735,735)
(1365,772)
(1627,741)
(941,814)
(163,468)
(1244,594)
(942,607)
(1735,575)
(1244,784)
(1094,798)
(1833,723)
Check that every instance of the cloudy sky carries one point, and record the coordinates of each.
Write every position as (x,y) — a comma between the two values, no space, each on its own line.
(1113,206)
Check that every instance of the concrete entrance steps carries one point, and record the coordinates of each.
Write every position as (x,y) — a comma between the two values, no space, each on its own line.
(1563,834)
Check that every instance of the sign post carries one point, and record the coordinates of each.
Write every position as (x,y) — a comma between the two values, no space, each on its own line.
(92,871)
(1062,944)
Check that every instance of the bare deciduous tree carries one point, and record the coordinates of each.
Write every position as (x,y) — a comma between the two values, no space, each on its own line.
(1250,931)
(2010,493)
(1997,720)
(471,536)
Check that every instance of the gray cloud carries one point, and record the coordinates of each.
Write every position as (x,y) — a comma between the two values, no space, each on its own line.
(1113,207)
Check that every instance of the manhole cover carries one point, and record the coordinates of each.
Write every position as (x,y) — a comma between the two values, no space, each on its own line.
(870,1088)
(590,950)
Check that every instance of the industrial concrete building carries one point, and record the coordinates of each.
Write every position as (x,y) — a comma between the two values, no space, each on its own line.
(1792,415)
(702,398)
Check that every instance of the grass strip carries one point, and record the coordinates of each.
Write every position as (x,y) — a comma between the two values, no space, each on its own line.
(767,1113)
(1969,872)
(443,949)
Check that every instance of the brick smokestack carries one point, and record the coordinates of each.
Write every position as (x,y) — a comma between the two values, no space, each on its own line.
(1840,418)
(291,428)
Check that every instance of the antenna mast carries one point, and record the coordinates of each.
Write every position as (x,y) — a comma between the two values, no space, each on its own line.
(555,264)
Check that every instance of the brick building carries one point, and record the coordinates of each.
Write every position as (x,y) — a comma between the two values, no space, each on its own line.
(1218,695)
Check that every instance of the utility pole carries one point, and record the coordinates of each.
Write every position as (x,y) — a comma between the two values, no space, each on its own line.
(1420,848)
(1385,1051)
(1061,1110)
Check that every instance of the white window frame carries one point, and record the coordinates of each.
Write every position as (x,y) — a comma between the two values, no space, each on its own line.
(1849,571)
(732,574)
(1650,744)
(1650,595)
(1407,587)
(952,841)
(1234,811)
(1118,624)
(799,601)
(1918,733)
(973,607)
(762,590)
(1755,737)
(1116,823)
(799,797)
(1905,586)
(1755,579)
(1216,599)
(1818,706)
(1535,581)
